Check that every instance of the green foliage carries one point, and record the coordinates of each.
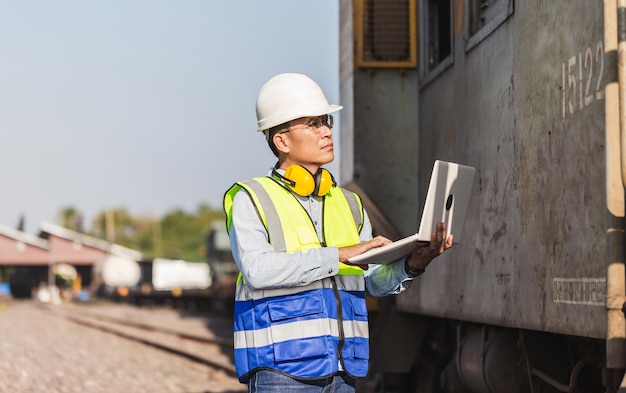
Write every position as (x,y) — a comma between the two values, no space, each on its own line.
(176,235)
(70,218)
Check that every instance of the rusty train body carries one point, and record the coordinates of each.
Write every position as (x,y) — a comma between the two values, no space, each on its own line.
(528,93)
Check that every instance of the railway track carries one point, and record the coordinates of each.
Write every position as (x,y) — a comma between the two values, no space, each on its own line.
(192,338)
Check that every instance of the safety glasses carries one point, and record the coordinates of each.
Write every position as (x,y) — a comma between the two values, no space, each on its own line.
(316,124)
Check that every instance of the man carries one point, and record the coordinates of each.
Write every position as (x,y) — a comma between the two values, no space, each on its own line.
(300,315)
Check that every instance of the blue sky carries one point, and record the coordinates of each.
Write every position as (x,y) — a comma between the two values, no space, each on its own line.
(145,104)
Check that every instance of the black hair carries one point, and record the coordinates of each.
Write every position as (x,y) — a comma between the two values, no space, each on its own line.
(269,135)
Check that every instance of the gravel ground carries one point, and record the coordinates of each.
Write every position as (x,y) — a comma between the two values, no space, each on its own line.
(43,353)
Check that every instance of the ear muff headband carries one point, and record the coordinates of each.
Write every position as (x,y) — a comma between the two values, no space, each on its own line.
(304,183)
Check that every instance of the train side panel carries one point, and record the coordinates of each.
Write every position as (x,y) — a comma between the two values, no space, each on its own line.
(535,252)
(525,106)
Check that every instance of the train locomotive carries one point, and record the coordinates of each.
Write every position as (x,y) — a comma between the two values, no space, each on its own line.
(531,94)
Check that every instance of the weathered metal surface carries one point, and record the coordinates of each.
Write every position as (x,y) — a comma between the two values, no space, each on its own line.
(525,106)
(385,143)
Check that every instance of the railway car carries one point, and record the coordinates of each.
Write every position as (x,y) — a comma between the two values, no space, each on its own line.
(115,277)
(174,283)
(531,94)
(158,281)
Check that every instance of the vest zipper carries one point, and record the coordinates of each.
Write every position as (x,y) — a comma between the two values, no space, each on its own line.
(342,337)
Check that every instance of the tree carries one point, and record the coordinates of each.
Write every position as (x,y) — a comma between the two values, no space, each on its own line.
(177,235)
(115,225)
(71,218)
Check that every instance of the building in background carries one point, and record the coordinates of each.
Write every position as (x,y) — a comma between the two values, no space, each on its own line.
(56,257)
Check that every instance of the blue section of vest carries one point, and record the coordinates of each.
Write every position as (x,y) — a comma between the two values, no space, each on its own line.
(319,303)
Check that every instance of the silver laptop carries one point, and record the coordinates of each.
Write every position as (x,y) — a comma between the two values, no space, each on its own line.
(447,199)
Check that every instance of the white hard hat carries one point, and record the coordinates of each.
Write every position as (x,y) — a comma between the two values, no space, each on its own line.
(290,96)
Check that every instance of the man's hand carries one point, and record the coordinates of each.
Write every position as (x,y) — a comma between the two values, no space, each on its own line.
(423,255)
(350,251)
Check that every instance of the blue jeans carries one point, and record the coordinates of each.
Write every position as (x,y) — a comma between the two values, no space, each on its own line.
(265,381)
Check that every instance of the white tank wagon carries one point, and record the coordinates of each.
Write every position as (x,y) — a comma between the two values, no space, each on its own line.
(528,93)
(175,283)
(159,281)
(116,276)
(171,275)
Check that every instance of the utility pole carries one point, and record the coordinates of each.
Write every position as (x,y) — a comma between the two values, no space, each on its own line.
(110,225)
(158,238)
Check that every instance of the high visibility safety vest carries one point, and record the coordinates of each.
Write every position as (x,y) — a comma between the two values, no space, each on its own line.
(304,331)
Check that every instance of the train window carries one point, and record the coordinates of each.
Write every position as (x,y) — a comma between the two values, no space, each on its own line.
(385,33)
(437,36)
(484,17)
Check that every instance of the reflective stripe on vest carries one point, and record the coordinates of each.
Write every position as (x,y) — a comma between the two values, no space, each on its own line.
(297,330)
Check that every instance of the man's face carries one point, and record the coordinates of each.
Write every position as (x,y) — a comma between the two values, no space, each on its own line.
(308,142)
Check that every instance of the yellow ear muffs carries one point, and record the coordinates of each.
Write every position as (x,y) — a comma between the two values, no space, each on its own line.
(304,183)
(323,182)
